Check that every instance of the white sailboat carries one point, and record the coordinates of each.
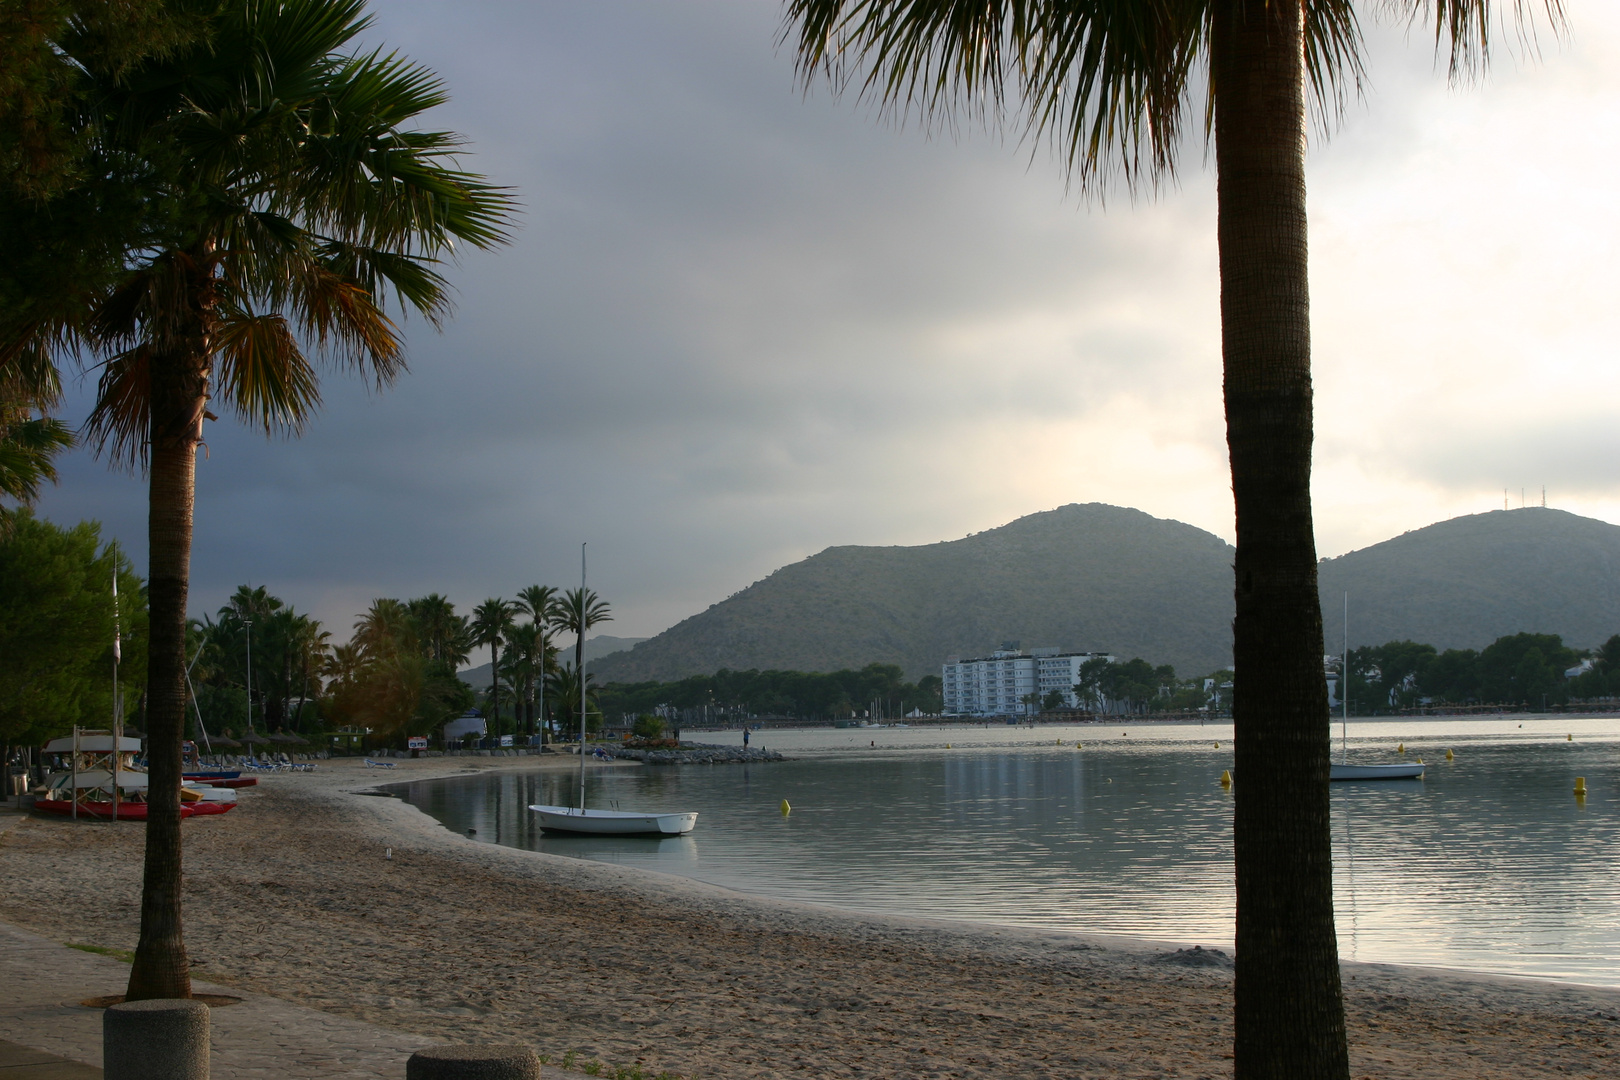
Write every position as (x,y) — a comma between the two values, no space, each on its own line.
(573,819)
(1341,769)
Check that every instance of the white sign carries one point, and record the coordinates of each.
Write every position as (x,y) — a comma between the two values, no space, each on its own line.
(417,742)
(506,740)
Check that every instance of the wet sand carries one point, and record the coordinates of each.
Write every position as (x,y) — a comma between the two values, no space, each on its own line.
(293,894)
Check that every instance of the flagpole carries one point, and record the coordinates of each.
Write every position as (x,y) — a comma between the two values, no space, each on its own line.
(118,712)
(581,673)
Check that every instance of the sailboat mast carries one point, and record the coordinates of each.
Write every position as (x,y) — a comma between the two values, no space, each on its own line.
(1344,691)
(579,670)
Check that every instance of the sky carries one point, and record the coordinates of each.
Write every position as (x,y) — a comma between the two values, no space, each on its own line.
(739,323)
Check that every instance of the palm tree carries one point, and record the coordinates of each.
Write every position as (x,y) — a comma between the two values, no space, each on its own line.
(540,601)
(289,190)
(310,646)
(1108,81)
(575,612)
(29,440)
(491,622)
(440,629)
(564,686)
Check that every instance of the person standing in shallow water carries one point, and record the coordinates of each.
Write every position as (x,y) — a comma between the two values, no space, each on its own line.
(745,738)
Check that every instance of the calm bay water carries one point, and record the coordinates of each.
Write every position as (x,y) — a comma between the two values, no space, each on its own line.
(1489,863)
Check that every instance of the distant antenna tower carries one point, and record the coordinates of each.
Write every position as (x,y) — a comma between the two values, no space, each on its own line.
(1544,496)
(1504,498)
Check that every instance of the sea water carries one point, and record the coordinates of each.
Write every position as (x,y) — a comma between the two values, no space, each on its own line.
(1489,863)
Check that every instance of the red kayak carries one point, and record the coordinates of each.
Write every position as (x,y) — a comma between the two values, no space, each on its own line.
(198,808)
(127,811)
(231,782)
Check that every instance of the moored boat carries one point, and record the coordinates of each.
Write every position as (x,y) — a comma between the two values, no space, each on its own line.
(613,822)
(1342,771)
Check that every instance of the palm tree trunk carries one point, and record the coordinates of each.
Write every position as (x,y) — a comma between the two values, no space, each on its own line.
(494,689)
(1289,1003)
(179,394)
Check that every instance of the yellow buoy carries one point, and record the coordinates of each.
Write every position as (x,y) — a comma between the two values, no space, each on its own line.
(1077,746)
(1569,738)
(786,809)
(1217,746)
(1448,755)
(947,746)
(1580,787)
(1226,778)
(1400,748)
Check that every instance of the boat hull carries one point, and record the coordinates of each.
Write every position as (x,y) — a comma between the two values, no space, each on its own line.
(613,822)
(127,811)
(1377,772)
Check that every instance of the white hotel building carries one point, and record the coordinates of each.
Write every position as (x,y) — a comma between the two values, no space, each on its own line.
(995,685)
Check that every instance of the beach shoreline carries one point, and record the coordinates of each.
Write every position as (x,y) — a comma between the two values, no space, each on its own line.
(317,891)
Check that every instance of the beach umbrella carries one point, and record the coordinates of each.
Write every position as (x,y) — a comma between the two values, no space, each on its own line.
(252,738)
(223,740)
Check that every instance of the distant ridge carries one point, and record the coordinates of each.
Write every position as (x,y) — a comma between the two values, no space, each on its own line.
(1084,577)
(1465,582)
(1105,577)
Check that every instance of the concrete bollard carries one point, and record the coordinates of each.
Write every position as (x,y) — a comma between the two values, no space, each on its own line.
(161,1039)
(453,1062)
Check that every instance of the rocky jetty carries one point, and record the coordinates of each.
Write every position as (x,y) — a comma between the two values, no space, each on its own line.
(698,754)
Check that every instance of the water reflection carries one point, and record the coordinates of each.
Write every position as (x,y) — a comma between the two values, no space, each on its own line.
(1489,863)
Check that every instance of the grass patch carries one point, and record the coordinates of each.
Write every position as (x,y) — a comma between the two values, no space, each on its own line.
(101,950)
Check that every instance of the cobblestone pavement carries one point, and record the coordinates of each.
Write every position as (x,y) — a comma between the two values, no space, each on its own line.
(43,981)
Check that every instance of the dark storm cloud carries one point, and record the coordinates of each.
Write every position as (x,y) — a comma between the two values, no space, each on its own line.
(722,328)
(739,324)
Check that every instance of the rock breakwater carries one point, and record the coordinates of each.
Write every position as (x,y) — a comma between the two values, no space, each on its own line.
(699,754)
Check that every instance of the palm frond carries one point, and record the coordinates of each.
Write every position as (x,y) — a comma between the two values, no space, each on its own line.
(118,426)
(411,279)
(342,317)
(1462,28)
(1106,81)
(28,447)
(263,372)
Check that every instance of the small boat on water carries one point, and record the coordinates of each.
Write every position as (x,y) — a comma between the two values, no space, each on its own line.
(613,822)
(1342,771)
(577,819)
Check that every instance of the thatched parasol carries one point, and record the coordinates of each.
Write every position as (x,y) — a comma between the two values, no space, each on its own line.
(223,740)
(253,737)
(289,738)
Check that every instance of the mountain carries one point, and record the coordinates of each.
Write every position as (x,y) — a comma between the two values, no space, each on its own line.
(1098,577)
(595,648)
(1090,577)
(1465,582)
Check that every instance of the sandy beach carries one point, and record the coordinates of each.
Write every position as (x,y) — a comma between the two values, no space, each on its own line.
(293,895)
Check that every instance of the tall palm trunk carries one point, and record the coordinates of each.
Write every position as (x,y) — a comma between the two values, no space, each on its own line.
(179,395)
(1289,1004)
(494,689)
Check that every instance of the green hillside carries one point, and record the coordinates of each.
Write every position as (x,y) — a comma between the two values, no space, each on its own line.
(1465,582)
(1098,577)
(1090,577)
